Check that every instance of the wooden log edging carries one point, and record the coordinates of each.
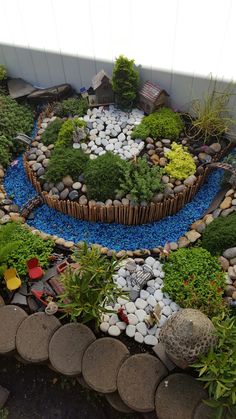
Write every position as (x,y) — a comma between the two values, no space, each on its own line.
(123,214)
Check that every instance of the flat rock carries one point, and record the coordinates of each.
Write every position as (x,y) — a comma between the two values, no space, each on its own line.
(101,363)
(34,335)
(177,397)
(67,347)
(203,412)
(11,317)
(137,380)
(117,403)
(230,253)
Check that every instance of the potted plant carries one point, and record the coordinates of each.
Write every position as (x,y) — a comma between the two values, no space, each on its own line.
(3,77)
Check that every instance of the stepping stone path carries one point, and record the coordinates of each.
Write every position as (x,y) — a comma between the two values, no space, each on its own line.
(138,379)
(178,396)
(33,336)
(138,310)
(67,347)
(117,403)
(11,317)
(101,363)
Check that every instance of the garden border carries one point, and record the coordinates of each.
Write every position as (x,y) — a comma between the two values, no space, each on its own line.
(123,214)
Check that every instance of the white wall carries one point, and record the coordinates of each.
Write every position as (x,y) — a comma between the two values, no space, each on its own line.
(177,43)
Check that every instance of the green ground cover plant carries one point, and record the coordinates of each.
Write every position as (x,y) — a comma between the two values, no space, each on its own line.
(194,279)
(164,123)
(103,176)
(125,80)
(5,153)
(66,161)
(140,180)
(67,132)
(28,246)
(90,288)
(220,234)
(50,135)
(217,369)
(3,72)
(14,118)
(71,107)
(181,164)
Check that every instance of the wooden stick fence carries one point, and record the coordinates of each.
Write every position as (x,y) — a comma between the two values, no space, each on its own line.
(123,214)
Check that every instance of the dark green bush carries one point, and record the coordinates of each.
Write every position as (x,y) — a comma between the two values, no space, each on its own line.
(3,72)
(141,180)
(5,150)
(66,161)
(67,132)
(29,246)
(71,107)
(220,234)
(103,176)
(14,118)
(194,279)
(50,135)
(164,123)
(125,81)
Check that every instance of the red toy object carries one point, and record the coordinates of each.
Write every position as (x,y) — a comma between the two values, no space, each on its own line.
(122,316)
(35,271)
(43,296)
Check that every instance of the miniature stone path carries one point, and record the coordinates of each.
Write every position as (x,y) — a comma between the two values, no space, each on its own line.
(139,382)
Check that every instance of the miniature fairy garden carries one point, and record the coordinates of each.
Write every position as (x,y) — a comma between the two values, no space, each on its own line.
(89,295)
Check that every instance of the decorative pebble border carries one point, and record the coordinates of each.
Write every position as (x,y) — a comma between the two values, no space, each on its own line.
(106,364)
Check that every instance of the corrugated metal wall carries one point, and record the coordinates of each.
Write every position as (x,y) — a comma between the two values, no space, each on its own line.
(177,43)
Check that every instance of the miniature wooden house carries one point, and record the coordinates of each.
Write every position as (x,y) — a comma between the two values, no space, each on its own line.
(152,97)
(102,87)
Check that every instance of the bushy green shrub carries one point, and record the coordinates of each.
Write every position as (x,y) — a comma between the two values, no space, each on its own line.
(71,107)
(217,369)
(164,123)
(90,288)
(103,176)
(29,246)
(14,118)
(140,180)
(194,279)
(220,234)
(50,135)
(3,72)
(181,164)
(67,132)
(5,150)
(66,161)
(125,81)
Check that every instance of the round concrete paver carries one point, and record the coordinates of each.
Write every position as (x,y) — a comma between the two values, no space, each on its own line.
(117,403)
(2,302)
(33,336)
(101,363)
(137,381)
(67,347)
(82,382)
(4,393)
(177,397)
(10,319)
(204,412)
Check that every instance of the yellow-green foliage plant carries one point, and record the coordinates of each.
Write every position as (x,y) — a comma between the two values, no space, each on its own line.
(181,164)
